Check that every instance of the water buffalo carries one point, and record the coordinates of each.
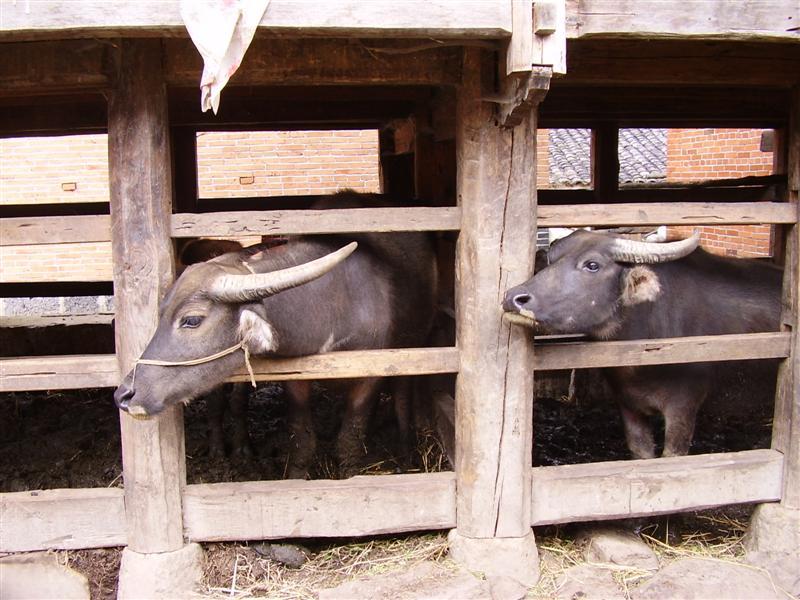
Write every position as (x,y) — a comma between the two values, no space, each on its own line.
(617,289)
(300,298)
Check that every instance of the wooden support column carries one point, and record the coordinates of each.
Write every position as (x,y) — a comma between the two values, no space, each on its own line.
(494,390)
(774,530)
(141,194)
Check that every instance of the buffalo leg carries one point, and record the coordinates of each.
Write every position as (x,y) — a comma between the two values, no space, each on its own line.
(215,413)
(401,398)
(350,446)
(238,400)
(303,441)
(679,420)
(638,433)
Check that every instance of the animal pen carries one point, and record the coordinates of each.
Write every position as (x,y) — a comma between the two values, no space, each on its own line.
(473,82)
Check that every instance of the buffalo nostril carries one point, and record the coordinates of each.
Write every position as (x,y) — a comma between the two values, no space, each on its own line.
(123,396)
(520,300)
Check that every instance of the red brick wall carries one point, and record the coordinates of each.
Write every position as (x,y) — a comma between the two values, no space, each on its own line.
(231,164)
(708,154)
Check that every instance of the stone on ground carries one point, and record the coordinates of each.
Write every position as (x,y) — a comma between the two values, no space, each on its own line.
(39,576)
(701,579)
(588,582)
(783,568)
(426,580)
(160,575)
(517,558)
(620,548)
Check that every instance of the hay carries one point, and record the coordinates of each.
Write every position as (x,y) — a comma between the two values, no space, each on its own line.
(237,571)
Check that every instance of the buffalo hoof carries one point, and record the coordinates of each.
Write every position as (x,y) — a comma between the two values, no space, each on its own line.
(241,452)
(296,472)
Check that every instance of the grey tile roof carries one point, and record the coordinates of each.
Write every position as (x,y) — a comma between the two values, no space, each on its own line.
(642,156)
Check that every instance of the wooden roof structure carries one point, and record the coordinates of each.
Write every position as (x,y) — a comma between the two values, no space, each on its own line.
(476,78)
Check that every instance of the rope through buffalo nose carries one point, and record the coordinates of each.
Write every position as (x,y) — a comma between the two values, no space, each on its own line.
(198,361)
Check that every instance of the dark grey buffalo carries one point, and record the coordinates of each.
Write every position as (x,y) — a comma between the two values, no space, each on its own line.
(304,297)
(617,289)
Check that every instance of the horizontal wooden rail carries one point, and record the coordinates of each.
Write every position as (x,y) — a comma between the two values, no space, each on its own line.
(58,372)
(54,230)
(351,507)
(94,518)
(413,18)
(295,222)
(356,363)
(667,213)
(635,488)
(634,353)
(64,519)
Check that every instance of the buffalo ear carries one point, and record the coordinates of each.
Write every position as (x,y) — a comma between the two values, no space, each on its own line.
(639,284)
(256,333)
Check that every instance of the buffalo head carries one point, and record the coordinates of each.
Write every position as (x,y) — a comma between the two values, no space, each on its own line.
(590,277)
(212,310)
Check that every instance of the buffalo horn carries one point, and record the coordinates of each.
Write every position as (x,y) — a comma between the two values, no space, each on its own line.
(633,251)
(247,288)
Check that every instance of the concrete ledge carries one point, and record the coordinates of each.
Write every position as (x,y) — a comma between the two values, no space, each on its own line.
(164,575)
(516,558)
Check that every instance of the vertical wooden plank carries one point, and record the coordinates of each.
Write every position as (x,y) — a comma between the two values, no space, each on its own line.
(786,421)
(519,55)
(605,162)
(141,193)
(496,247)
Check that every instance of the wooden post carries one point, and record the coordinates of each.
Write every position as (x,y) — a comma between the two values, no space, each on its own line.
(494,390)
(141,193)
(774,530)
(786,423)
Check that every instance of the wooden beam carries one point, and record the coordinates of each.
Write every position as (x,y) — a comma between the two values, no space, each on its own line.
(706,19)
(677,213)
(58,372)
(494,389)
(519,53)
(358,506)
(296,222)
(31,68)
(66,519)
(357,363)
(637,488)
(636,353)
(637,105)
(336,18)
(54,230)
(153,456)
(674,62)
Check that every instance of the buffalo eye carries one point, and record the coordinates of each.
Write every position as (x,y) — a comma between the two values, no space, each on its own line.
(592,266)
(191,321)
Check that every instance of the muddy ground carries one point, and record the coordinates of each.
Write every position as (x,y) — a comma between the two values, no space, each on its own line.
(71,439)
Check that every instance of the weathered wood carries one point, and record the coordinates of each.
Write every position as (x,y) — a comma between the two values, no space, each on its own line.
(631,353)
(714,19)
(58,372)
(681,106)
(346,63)
(636,488)
(55,65)
(494,389)
(55,230)
(786,420)
(66,519)
(605,160)
(519,54)
(294,222)
(335,18)
(550,35)
(674,62)
(680,213)
(352,507)
(153,456)
(356,363)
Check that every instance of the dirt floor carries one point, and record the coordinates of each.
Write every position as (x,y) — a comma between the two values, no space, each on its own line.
(71,439)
